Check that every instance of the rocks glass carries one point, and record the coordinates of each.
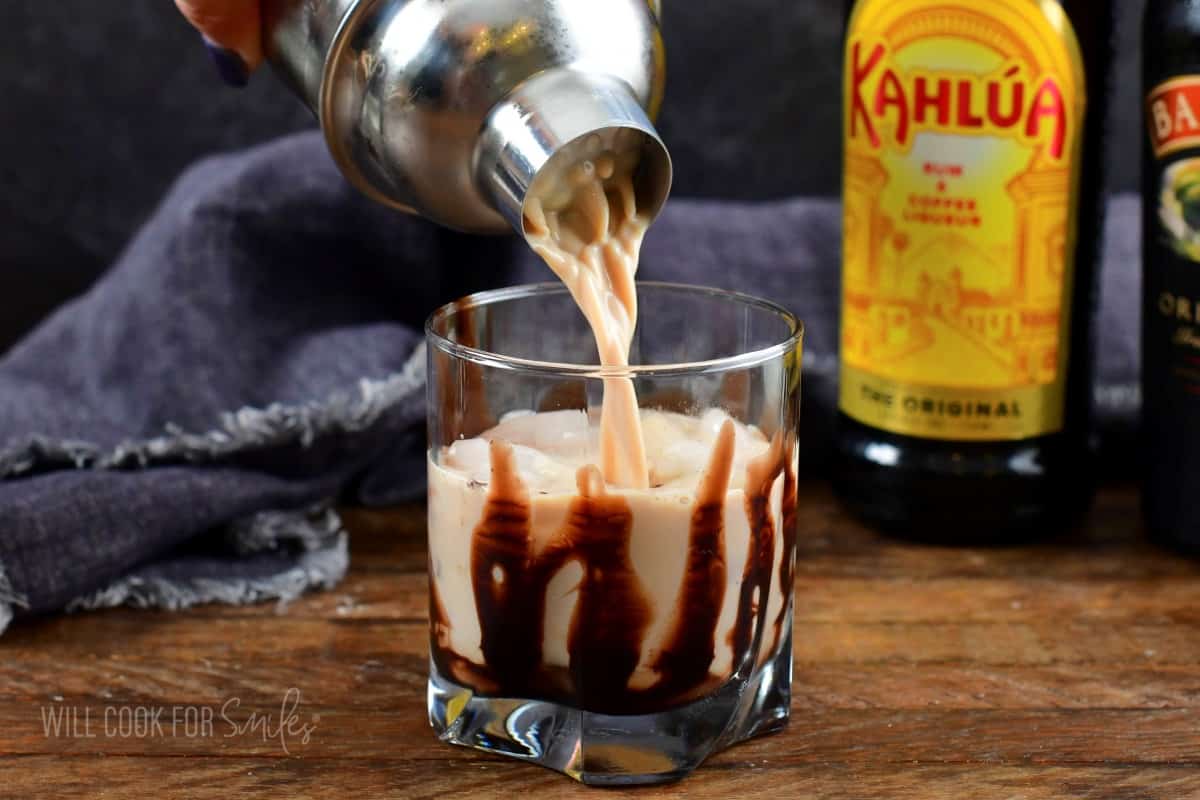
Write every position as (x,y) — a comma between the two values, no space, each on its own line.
(616,634)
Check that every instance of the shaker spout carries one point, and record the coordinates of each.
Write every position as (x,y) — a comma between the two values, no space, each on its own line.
(549,123)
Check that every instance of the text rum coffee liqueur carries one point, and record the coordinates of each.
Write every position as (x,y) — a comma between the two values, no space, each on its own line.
(972,203)
(1171,273)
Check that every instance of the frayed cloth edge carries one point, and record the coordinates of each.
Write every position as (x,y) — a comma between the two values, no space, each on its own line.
(249,428)
(10,600)
(315,569)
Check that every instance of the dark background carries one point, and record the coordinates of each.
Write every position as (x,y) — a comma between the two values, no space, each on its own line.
(103,102)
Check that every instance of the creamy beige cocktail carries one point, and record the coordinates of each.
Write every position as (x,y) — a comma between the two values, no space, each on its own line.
(549,583)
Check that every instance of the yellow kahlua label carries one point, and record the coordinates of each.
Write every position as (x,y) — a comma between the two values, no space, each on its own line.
(963,132)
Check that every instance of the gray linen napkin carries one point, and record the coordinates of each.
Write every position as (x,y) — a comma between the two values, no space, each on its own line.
(181,433)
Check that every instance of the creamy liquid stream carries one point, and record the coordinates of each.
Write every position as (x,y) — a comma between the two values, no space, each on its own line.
(589,231)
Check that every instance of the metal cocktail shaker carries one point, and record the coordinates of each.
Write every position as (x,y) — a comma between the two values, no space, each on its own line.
(452,108)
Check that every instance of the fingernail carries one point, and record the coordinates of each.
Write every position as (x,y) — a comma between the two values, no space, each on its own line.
(230,66)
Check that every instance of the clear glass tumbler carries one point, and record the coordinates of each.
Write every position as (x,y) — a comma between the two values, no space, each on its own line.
(617,635)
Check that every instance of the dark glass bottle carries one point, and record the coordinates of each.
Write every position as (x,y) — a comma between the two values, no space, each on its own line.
(968,289)
(1171,273)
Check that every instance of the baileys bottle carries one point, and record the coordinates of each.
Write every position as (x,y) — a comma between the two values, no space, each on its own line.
(1171,273)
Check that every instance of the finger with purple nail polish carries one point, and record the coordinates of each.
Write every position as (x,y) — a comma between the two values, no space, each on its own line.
(232,31)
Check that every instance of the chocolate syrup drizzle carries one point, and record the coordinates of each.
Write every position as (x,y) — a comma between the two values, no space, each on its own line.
(612,613)
(787,568)
(746,636)
(510,586)
(690,646)
(605,640)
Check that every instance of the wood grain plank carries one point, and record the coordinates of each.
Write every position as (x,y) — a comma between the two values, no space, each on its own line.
(375,684)
(1174,599)
(727,776)
(1070,736)
(237,640)
(966,686)
(1043,642)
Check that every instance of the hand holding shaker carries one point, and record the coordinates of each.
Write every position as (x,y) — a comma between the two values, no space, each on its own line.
(451,108)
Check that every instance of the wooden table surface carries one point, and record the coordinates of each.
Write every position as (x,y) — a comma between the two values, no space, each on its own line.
(1070,669)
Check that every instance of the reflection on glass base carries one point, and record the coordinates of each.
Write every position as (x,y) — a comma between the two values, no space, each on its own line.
(605,750)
